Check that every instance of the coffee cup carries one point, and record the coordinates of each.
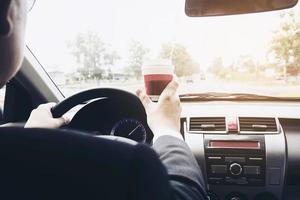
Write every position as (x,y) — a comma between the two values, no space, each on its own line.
(157,75)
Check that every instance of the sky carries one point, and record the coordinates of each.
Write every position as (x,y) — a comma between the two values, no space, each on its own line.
(54,23)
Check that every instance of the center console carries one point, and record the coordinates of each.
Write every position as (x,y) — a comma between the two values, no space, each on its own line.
(235,162)
(238,165)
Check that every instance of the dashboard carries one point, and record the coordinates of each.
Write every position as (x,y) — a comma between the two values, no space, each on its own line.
(246,150)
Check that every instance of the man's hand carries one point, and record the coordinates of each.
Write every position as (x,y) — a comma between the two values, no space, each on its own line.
(164,116)
(41,117)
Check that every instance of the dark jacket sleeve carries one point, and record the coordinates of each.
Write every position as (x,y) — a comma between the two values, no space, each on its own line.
(185,177)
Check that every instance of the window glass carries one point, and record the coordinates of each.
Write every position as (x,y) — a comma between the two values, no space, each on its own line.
(100,43)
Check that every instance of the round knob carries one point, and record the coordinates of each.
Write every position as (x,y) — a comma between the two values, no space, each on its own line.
(235,169)
(235,196)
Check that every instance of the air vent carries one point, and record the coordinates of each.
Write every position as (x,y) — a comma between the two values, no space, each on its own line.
(257,124)
(208,124)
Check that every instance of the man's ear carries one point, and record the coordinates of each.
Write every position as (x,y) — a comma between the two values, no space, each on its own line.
(6,24)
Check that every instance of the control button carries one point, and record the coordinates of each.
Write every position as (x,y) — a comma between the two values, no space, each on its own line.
(256,181)
(214,158)
(265,196)
(274,176)
(242,181)
(238,181)
(218,169)
(252,170)
(256,159)
(213,196)
(232,124)
(235,196)
(235,159)
(215,180)
(235,169)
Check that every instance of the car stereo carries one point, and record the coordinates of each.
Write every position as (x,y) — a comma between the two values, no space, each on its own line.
(235,162)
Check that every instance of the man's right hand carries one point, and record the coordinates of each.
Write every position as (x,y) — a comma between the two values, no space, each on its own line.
(164,116)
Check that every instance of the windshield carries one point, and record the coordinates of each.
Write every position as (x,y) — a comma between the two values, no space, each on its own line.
(100,43)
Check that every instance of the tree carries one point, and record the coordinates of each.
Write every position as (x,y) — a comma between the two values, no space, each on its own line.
(111,57)
(246,63)
(92,55)
(219,70)
(216,66)
(286,43)
(184,64)
(137,54)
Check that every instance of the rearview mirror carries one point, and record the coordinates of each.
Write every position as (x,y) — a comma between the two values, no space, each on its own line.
(202,8)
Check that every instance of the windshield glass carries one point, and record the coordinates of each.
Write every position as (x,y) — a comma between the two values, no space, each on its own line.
(100,43)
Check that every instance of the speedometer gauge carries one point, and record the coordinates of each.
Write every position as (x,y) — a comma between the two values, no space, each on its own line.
(131,129)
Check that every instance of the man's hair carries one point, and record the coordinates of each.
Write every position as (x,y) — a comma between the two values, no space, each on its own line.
(2,5)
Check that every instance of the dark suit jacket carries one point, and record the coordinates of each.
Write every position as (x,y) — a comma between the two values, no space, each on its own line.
(64,164)
(185,177)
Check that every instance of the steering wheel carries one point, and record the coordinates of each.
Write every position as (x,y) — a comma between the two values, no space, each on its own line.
(108,112)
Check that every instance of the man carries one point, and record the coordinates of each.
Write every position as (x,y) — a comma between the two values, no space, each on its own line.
(185,177)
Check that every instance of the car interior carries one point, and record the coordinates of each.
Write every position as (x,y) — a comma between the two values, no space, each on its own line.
(245,141)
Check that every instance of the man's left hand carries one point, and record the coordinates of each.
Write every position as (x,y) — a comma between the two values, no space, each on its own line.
(41,117)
